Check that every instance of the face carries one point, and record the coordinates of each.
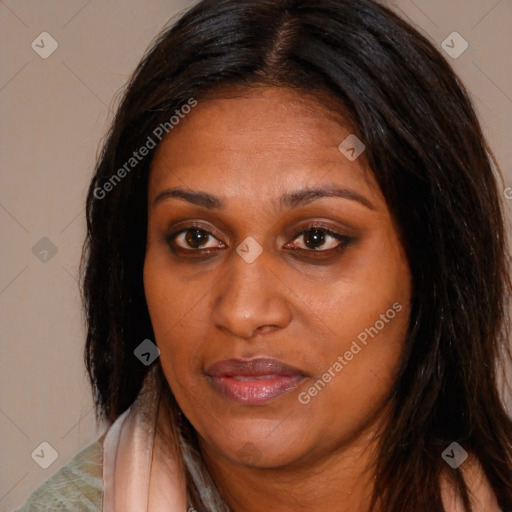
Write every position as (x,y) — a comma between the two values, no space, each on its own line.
(276,283)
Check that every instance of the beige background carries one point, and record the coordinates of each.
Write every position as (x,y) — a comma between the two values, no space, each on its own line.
(53,113)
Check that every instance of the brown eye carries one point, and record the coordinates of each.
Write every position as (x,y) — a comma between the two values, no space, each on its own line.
(193,239)
(318,239)
(314,238)
(196,237)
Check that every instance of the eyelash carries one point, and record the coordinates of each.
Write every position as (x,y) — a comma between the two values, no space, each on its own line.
(344,241)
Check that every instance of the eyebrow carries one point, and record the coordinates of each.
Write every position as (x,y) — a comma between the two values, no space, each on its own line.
(288,200)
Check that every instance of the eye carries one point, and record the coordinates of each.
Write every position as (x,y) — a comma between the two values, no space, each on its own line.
(194,238)
(319,239)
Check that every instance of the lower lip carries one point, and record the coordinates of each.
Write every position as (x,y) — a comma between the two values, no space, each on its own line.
(256,391)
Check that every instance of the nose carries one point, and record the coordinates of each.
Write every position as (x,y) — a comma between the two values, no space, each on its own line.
(251,299)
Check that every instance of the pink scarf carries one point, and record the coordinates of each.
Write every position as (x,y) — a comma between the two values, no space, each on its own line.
(137,477)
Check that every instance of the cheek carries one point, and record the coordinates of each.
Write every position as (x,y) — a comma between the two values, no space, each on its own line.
(367,317)
(357,375)
(173,307)
(373,299)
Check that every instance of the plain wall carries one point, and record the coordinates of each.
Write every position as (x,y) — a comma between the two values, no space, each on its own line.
(53,114)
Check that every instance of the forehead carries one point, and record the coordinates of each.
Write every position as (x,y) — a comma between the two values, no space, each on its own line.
(264,140)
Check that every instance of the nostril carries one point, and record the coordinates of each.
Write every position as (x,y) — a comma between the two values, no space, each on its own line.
(264,329)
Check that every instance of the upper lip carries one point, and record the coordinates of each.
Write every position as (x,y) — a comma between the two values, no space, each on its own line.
(256,367)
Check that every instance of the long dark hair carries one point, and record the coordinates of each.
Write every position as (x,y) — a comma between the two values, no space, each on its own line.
(426,149)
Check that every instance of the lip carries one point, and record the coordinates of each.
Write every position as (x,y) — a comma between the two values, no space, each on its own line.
(253,381)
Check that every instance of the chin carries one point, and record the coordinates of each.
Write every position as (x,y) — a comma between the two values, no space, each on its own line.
(259,444)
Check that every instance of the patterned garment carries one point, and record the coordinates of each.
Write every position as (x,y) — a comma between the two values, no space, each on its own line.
(78,486)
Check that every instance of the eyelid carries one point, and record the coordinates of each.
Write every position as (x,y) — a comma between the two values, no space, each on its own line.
(178,227)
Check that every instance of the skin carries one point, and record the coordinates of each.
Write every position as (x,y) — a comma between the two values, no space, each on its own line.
(248,149)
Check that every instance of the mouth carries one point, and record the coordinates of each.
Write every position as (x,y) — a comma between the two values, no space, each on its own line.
(253,381)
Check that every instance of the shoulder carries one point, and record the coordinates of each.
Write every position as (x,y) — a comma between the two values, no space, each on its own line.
(76,486)
(479,486)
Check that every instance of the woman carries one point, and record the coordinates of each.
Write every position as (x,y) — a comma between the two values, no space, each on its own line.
(296,204)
